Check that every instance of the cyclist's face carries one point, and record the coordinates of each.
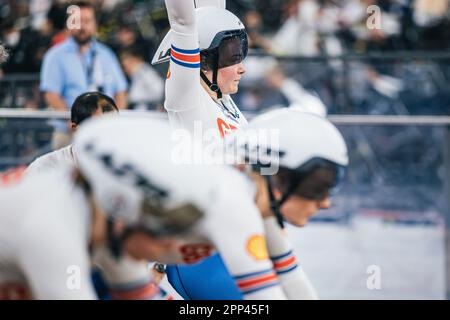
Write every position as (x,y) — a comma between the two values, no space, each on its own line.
(298,210)
(228,78)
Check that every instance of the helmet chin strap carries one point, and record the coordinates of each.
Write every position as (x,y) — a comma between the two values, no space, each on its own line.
(213,86)
(274,204)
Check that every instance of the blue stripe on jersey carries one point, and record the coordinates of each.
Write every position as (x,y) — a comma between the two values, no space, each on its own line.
(184,51)
(187,65)
(247,275)
(281,256)
(287,270)
(276,283)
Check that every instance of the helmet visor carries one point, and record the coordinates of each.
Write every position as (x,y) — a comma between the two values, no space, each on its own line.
(315,180)
(231,49)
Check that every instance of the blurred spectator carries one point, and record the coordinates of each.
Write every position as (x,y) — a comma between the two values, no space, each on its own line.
(127,36)
(325,26)
(430,12)
(432,18)
(3,54)
(38,12)
(254,25)
(386,85)
(26,46)
(80,64)
(55,25)
(295,94)
(298,34)
(146,86)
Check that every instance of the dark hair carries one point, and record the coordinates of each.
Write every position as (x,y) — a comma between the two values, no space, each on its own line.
(134,51)
(88,103)
(81,4)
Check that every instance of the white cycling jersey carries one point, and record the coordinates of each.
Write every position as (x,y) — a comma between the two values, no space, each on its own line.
(53,160)
(44,240)
(44,224)
(132,153)
(126,278)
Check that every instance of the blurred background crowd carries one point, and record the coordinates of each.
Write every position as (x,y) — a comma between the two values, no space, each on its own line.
(295,28)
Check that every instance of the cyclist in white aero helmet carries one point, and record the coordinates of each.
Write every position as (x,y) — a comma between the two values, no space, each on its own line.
(206,47)
(308,156)
(294,173)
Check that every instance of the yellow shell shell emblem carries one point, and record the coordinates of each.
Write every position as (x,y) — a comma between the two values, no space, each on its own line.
(256,247)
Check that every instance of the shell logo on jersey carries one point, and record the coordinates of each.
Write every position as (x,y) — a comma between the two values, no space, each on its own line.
(256,247)
(224,128)
(193,253)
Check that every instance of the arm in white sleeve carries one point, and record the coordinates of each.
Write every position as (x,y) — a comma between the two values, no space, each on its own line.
(292,90)
(55,261)
(298,96)
(210,3)
(183,80)
(182,16)
(294,281)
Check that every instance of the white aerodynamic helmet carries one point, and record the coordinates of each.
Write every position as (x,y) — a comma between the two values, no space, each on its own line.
(307,149)
(214,25)
(222,42)
(289,138)
(116,156)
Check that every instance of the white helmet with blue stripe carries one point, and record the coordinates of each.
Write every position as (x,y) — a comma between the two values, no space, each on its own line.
(222,42)
(214,25)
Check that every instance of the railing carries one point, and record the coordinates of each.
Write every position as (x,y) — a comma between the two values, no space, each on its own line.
(19,90)
(336,79)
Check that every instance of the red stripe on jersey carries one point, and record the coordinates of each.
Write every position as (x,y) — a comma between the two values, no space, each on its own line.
(257,281)
(185,57)
(285,263)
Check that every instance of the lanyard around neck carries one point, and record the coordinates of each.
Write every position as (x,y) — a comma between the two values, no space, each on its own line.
(233,114)
(89,67)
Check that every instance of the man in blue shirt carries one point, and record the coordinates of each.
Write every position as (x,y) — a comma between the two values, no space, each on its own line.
(78,65)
